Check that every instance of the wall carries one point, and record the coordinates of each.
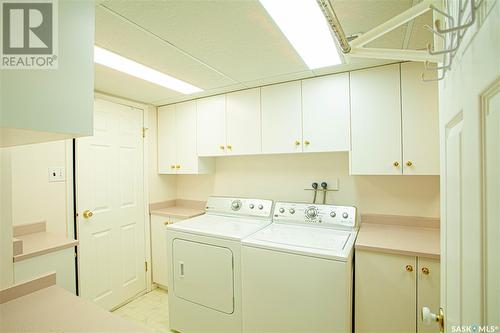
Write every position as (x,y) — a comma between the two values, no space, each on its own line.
(161,187)
(284,177)
(34,198)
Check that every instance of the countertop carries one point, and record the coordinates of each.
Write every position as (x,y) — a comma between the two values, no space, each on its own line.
(178,208)
(35,241)
(400,235)
(54,309)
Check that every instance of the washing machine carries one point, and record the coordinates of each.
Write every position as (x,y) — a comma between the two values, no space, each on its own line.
(297,272)
(204,274)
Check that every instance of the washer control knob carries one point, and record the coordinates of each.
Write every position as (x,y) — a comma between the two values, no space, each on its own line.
(311,212)
(252,206)
(282,210)
(345,215)
(261,207)
(236,205)
(333,214)
(292,211)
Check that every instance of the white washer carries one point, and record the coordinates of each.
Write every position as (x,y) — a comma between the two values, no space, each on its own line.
(204,275)
(297,272)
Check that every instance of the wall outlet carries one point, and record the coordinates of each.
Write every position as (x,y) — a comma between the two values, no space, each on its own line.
(57,174)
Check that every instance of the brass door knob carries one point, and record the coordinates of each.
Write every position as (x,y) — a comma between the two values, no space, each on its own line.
(307,143)
(425,271)
(297,142)
(87,214)
(409,268)
(177,166)
(229,147)
(409,163)
(396,164)
(221,147)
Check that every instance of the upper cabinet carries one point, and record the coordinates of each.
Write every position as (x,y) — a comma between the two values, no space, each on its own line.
(243,122)
(39,105)
(394,125)
(325,113)
(211,130)
(177,141)
(420,119)
(282,118)
(376,121)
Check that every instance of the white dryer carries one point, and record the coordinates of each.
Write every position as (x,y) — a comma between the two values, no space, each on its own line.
(204,275)
(297,272)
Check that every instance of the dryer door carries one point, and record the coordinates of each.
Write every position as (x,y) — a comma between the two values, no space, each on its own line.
(203,274)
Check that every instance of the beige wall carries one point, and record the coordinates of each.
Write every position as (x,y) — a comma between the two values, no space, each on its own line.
(284,177)
(34,198)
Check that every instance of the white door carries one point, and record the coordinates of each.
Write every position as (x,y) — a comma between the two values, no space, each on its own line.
(185,133)
(420,122)
(325,113)
(470,199)
(211,125)
(376,121)
(110,186)
(282,118)
(167,140)
(243,122)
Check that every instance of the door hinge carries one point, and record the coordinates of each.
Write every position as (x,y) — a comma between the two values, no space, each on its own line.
(146,266)
(144,129)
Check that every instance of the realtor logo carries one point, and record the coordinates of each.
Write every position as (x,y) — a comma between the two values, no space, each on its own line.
(29,34)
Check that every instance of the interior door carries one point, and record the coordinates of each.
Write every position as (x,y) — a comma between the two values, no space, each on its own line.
(110,205)
(470,146)
(211,125)
(243,122)
(282,118)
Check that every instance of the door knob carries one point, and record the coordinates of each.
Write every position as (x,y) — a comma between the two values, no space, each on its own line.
(409,268)
(428,317)
(87,214)
(425,271)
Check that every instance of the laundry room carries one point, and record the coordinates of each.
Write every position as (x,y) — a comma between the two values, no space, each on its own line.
(249,166)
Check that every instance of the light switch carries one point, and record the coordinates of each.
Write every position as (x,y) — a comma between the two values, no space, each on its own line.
(57,174)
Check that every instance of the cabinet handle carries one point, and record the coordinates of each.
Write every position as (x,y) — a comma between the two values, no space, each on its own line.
(221,147)
(409,268)
(172,166)
(229,147)
(177,166)
(425,271)
(297,142)
(167,222)
(396,164)
(409,163)
(307,143)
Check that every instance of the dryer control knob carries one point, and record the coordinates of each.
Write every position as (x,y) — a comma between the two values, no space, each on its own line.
(311,212)
(282,210)
(333,214)
(252,206)
(261,207)
(236,205)
(292,211)
(345,215)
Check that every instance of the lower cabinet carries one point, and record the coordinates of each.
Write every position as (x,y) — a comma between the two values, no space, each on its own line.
(159,250)
(62,262)
(390,290)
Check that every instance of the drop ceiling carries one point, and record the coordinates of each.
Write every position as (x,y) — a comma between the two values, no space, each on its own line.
(226,45)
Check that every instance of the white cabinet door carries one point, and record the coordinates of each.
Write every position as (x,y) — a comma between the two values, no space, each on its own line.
(211,125)
(420,122)
(243,122)
(185,120)
(376,121)
(167,142)
(325,113)
(282,118)
(159,249)
(385,293)
(428,291)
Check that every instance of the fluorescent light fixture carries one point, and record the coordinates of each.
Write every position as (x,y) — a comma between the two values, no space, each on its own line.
(305,27)
(130,67)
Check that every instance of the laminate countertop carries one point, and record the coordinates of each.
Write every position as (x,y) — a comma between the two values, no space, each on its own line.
(400,235)
(54,309)
(178,208)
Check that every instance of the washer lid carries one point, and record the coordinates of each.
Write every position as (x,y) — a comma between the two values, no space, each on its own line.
(220,226)
(312,241)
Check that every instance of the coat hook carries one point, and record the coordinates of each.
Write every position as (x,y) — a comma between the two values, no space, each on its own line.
(459,27)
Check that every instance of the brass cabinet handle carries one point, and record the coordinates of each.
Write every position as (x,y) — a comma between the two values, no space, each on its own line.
(409,268)
(396,164)
(167,222)
(221,147)
(307,143)
(229,147)
(425,271)
(87,214)
(409,163)
(172,166)
(177,166)
(297,142)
